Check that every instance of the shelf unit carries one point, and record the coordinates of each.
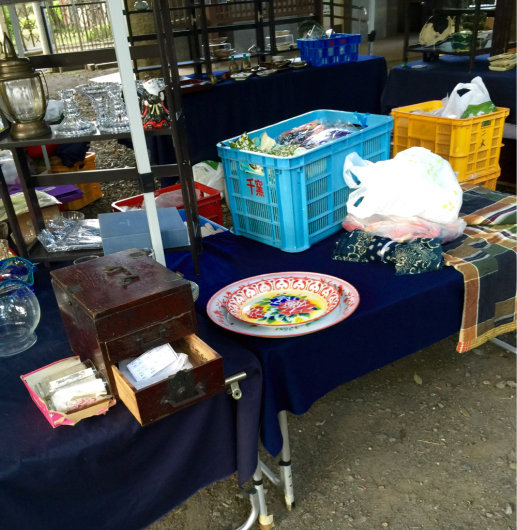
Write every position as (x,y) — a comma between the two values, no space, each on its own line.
(502,13)
(164,49)
(197,27)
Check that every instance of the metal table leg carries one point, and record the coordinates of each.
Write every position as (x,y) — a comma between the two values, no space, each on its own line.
(505,345)
(265,520)
(286,474)
(254,510)
(285,481)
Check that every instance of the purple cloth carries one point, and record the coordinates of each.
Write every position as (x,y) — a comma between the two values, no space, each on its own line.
(63,194)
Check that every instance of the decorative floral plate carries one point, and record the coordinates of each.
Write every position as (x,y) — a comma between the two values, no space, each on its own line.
(349,301)
(283,301)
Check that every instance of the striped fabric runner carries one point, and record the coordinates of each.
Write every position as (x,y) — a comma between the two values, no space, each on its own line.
(486,255)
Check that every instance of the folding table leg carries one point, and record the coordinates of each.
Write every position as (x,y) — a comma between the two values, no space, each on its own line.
(265,520)
(254,499)
(285,481)
(505,345)
(286,474)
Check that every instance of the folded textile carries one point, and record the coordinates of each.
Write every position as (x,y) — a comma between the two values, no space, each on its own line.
(482,206)
(415,257)
(486,255)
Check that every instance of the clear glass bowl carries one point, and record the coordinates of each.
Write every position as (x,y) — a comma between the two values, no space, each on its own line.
(19,317)
(73,215)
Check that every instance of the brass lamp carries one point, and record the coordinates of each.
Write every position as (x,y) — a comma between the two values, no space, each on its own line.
(23,98)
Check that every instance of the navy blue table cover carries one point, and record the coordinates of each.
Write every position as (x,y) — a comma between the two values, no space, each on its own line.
(233,107)
(109,473)
(408,86)
(397,316)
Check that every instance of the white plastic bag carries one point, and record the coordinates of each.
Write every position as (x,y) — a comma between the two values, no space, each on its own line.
(206,174)
(414,183)
(405,228)
(55,110)
(476,97)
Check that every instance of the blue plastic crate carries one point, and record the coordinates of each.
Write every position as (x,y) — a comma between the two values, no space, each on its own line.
(297,201)
(339,49)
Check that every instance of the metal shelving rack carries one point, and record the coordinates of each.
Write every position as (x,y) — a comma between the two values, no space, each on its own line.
(198,26)
(502,13)
(163,49)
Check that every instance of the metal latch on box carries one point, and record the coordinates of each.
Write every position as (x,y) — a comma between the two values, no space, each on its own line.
(232,383)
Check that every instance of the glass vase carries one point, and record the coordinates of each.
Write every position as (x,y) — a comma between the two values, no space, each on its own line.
(97,93)
(19,317)
(73,123)
(117,122)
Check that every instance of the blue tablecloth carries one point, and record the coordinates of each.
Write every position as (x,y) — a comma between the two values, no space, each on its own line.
(233,107)
(397,315)
(109,473)
(408,86)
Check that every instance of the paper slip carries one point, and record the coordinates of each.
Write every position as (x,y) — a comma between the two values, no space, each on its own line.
(152,362)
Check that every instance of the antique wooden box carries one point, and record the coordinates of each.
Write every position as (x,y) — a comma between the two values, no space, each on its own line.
(122,305)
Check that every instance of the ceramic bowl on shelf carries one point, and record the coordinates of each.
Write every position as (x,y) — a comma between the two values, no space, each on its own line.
(265,72)
(298,64)
(218,40)
(283,47)
(223,54)
(242,76)
(255,70)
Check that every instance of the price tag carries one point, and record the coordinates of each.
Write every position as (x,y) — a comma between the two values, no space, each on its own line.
(152,362)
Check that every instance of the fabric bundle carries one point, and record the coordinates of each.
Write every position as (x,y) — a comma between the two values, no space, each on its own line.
(415,257)
(486,255)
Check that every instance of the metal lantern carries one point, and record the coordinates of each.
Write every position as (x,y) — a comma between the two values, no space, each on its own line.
(23,98)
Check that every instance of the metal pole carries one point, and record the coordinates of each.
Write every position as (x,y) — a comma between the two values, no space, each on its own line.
(285,462)
(77,24)
(135,123)
(16,30)
(265,520)
(40,24)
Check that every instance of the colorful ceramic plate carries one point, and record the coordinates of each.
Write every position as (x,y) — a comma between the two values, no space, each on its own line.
(283,301)
(349,301)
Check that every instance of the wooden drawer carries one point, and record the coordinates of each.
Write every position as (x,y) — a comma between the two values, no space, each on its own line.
(185,388)
(142,340)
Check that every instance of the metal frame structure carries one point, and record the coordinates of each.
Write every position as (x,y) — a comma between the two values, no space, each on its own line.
(502,13)
(197,25)
(143,172)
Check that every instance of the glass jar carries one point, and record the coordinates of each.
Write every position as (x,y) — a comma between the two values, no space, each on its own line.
(19,317)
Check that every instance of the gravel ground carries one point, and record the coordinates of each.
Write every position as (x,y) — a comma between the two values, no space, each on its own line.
(431,451)
(386,452)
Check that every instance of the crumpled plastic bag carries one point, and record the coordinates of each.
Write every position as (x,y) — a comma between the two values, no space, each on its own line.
(20,206)
(405,228)
(71,235)
(416,183)
(172,199)
(474,102)
(210,174)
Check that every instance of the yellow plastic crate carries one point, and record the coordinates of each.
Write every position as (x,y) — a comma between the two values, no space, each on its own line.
(488,181)
(472,146)
(91,191)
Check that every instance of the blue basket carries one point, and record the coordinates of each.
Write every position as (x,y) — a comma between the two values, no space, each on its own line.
(339,49)
(301,199)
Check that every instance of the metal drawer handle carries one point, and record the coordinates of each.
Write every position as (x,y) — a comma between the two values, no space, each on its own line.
(145,346)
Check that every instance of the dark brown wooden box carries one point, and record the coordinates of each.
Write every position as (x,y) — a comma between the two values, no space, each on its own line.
(124,304)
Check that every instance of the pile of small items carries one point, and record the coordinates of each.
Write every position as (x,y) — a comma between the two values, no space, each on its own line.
(298,140)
